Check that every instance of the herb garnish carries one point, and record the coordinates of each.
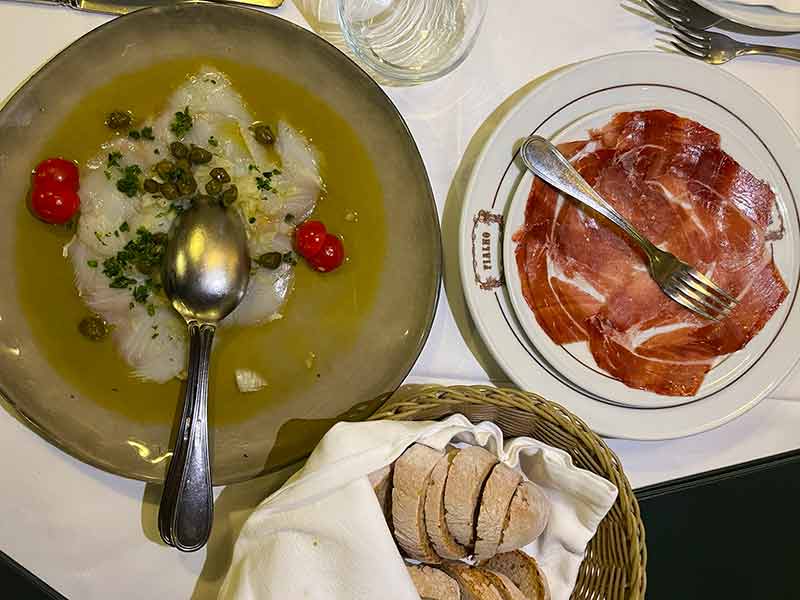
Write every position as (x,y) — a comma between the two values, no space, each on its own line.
(144,253)
(212,141)
(264,181)
(124,226)
(146,134)
(129,184)
(92,263)
(113,159)
(182,123)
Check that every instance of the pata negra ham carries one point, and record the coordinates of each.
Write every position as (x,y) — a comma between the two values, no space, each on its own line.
(586,282)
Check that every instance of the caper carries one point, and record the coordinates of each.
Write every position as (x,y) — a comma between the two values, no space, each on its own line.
(270,260)
(213,187)
(229,196)
(219,174)
(263,133)
(187,185)
(151,186)
(118,120)
(164,168)
(169,191)
(183,166)
(94,328)
(199,156)
(179,150)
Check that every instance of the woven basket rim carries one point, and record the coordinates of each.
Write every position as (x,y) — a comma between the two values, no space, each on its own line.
(433,401)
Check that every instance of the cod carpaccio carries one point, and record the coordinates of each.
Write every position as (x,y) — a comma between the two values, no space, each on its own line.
(586,282)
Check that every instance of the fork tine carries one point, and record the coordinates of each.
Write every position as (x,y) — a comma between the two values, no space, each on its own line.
(686,50)
(694,34)
(686,303)
(688,41)
(665,11)
(687,279)
(698,276)
(719,309)
(672,17)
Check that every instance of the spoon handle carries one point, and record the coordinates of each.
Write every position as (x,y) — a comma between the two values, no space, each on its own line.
(187,506)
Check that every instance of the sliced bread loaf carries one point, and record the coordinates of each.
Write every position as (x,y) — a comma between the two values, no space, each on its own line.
(474,583)
(495,501)
(468,472)
(433,584)
(381,481)
(410,482)
(505,586)
(442,540)
(527,517)
(523,571)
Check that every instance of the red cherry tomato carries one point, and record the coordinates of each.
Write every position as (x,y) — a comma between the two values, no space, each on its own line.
(54,202)
(309,238)
(330,257)
(57,170)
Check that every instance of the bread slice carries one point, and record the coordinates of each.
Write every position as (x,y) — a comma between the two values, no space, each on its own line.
(381,481)
(527,517)
(433,584)
(410,480)
(474,583)
(442,540)
(468,473)
(505,586)
(495,501)
(523,571)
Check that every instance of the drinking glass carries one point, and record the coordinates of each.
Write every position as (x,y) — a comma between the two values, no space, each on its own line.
(411,41)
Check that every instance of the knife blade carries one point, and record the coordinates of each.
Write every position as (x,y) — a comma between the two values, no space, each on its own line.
(123,7)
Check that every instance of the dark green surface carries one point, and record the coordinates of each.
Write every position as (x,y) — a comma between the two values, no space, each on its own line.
(17,583)
(730,534)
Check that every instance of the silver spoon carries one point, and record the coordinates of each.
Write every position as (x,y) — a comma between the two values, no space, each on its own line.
(205,275)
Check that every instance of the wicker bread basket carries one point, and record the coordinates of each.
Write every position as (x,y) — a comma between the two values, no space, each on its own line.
(614,566)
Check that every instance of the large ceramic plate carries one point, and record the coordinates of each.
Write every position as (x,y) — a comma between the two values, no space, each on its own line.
(391,333)
(760,17)
(564,108)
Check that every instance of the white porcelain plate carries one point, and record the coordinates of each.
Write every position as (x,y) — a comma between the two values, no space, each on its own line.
(760,17)
(564,108)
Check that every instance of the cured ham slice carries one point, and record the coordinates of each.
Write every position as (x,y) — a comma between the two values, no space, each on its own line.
(586,282)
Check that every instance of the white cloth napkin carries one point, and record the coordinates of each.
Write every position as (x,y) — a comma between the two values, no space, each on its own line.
(322,536)
(790,6)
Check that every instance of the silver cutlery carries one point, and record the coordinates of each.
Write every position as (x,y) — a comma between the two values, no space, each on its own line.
(683,283)
(123,7)
(205,275)
(718,48)
(684,12)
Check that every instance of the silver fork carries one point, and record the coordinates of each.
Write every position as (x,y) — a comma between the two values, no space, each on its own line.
(683,283)
(684,12)
(717,48)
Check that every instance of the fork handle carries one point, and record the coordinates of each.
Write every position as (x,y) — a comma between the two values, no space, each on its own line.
(790,53)
(546,161)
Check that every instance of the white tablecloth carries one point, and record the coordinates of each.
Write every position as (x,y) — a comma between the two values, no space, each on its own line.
(92,535)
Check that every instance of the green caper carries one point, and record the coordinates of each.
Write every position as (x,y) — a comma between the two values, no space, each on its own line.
(270,260)
(183,166)
(220,174)
(187,185)
(151,186)
(179,150)
(164,168)
(118,120)
(169,191)
(263,133)
(229,196)
(199,156)
(213,187)
(94,328)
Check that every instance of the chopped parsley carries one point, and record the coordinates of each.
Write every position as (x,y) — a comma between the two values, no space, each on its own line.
(92,263)
(252,168)
(251,220)
(129,183)
(145,134)
(141,293)
(144,253)
(124,226)
(134,135)
(264,181)
(107,174)
(151,310)
(113,159)
(182,123)
(156,151)
(99,238)
(154,336)
(212,141)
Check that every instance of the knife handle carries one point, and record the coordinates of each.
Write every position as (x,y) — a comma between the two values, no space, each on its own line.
(68,3)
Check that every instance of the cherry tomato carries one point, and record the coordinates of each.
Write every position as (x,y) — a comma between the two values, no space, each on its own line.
(309,238)
(330,257)
(54,202)
(57,170)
